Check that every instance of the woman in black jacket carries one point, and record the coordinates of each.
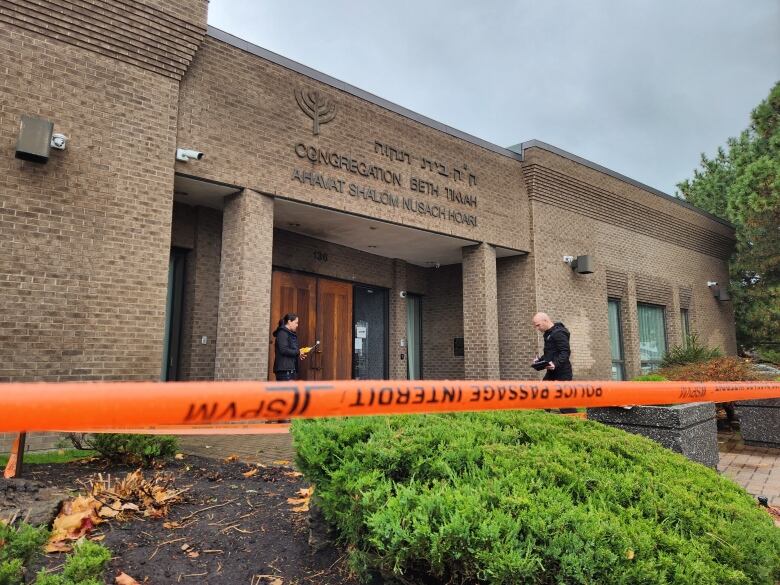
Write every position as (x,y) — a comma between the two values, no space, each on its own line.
(286,350)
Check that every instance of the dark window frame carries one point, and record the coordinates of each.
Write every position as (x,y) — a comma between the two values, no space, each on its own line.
(621,363)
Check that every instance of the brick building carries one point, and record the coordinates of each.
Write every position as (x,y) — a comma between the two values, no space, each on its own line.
(409,248)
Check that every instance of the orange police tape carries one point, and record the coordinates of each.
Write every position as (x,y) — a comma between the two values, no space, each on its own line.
(77,406)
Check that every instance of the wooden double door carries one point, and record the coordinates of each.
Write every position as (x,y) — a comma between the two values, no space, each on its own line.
(324,309)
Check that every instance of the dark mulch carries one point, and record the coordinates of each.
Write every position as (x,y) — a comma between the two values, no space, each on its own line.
(251,531)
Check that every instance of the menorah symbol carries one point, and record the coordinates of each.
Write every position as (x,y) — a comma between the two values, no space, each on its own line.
(318,107)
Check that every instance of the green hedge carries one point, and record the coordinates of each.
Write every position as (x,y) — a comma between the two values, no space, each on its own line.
(522,497)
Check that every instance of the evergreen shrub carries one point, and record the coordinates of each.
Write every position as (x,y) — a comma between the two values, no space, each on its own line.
(524,497)
(133,449)
(690,352)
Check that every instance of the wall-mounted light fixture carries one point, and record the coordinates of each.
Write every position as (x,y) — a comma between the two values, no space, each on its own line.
(718,291)
(580,264)
(36,137)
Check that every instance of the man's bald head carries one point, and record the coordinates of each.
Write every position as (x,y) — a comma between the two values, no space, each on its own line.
(542,322)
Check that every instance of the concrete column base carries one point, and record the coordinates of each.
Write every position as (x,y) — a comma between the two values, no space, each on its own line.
(759,422)
(688,429)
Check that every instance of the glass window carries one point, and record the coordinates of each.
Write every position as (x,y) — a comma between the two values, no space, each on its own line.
(652,336)
(616,340)
(686,326)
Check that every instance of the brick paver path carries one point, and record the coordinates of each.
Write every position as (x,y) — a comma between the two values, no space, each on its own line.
(757,469)
(754,468)
(266,449)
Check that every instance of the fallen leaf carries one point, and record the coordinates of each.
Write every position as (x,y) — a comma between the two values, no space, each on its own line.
(281,462)
(125,579)
(293,473)
(108,512)
(193,554)
(250,473)
(98,538)
(179,456)
(76,518)
(301,503)
(231,458)
(171,525)
(130,506)
(185,546)
(630,554)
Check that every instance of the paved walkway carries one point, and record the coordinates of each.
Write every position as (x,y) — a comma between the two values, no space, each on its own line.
(266,449)
(754,468)
(757,469)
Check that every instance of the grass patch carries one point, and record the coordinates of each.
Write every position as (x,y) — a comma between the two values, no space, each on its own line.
(62,456)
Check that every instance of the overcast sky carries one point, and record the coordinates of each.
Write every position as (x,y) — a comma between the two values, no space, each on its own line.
(639,86)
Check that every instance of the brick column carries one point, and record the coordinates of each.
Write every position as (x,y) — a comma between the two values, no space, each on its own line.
(516,307)
(630,322)
(673,320)
(398,368)
(480,313)
(245,287)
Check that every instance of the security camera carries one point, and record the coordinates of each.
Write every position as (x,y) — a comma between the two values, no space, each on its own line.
(59,141)
(184,154)
(402,294)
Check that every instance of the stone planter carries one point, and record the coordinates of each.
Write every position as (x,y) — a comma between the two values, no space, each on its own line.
(759,422)
(688,429)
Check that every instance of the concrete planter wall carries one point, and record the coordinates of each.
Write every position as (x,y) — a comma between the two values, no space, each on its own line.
(688,429)
(759,422)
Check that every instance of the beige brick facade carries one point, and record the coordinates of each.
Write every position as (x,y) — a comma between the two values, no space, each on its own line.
(87,236)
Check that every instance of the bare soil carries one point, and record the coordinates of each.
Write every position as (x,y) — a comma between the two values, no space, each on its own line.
(233,529)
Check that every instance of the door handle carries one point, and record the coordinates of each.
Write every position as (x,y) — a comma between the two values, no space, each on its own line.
(317,360)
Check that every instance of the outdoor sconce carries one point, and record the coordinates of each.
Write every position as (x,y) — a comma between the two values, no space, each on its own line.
(718,292)
(580,264)
(36,137)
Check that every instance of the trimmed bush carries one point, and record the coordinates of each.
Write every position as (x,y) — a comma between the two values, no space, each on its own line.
(133,449)
(84,567)
(690,352)
(525,497)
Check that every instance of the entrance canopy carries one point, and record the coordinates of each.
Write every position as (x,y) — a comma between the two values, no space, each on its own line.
(414,245)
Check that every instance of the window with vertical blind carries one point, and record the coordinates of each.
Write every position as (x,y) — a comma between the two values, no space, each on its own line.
(616,340)
(652,336)
(685,325)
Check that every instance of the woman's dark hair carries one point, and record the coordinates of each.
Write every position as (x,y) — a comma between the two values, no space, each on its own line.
(287,318)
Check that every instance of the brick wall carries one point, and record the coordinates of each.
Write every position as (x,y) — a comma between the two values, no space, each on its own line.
(654,264)
(86,236)
(199,229)
(442,322)
(240,109)
(516,307)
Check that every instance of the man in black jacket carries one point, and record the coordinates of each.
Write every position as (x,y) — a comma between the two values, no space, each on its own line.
(555,359)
